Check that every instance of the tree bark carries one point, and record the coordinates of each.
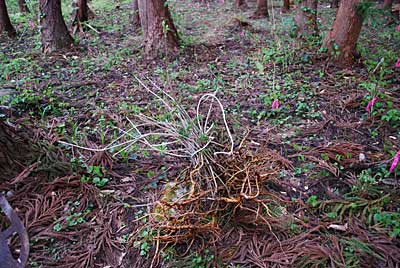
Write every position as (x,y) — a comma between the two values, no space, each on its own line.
(306,18)
(240,4)
(387,4)
(135,15)
(286,6)
(23,8)
(54,33)
(5,23)
(81,14)
(160,34)
(335,3)
(83,11)
(342,39)
(262,9)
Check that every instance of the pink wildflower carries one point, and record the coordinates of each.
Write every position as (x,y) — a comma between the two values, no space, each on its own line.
(31,23)
(398,28)
(222,2)
(242,34)
(395,161)
(398,63)
(275,104)
(371,104)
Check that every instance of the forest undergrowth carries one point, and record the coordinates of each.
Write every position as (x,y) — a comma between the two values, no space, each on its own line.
(247,148)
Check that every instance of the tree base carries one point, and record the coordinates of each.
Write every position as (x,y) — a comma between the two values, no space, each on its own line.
(241,4)
(260,14)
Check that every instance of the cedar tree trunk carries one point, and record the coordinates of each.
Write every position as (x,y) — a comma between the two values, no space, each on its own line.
(54,34)
(344,34)
(286,6)
(160,34)
(387,4)
(5,23)
(240,4)
(23,8)
(262,9)
(335,3)
(83,11)
(135,15)
(306,18)
(82,14)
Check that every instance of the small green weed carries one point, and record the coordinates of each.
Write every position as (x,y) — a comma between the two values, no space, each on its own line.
(95,176)
(202,261)
(390,220)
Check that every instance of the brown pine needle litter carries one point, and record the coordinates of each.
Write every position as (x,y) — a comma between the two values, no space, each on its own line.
(236,198)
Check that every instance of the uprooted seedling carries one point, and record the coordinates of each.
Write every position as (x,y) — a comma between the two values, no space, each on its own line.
(220,186)
(225,188)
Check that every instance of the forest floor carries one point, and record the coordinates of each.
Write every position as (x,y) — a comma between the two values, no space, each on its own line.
(314,188)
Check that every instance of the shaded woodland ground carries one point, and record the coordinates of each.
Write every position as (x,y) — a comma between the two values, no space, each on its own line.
(307,185)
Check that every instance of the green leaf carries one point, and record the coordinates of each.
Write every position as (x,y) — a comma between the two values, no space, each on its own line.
(260,67)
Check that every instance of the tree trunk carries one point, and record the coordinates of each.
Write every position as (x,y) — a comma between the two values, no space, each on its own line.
(135,15)
(346,29)
(81,14)
(286,6)
(240,4)
(160,34)
(262,9)
(306,18)
(387,4)
(335,3)
(23,8)
(54,33)
(83,11)
(5,23)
